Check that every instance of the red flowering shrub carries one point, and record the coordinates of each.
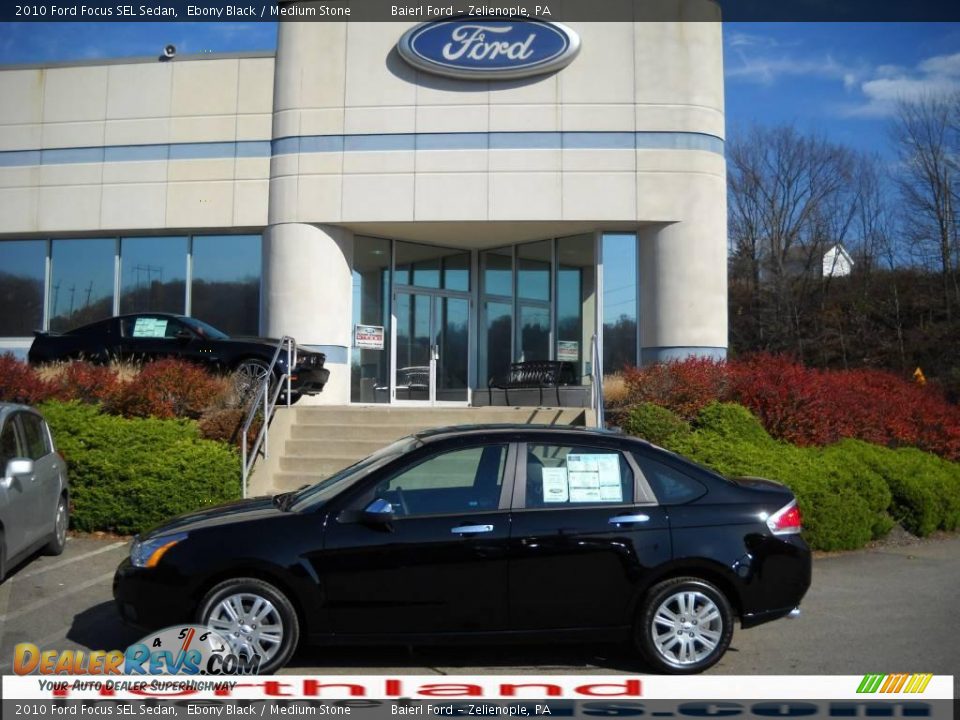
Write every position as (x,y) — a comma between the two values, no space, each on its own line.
(19,383)
(85,382)
(807,406)
(169,389)
(683,387)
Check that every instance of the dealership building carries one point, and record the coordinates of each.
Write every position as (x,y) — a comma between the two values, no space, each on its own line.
(424,203)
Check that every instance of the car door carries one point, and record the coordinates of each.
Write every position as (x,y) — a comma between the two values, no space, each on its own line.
(48,470)
(150,337)
(585,530)
(19,503)
(439,564)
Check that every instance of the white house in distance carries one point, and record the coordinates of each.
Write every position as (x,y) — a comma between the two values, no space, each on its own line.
(837,262)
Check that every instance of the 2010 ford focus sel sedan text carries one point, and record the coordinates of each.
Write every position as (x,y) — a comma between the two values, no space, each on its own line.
(512,532)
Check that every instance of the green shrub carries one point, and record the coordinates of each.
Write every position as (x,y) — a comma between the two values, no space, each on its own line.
(925,488)
(835,516)
(732,421)
(127,475)
(655,424)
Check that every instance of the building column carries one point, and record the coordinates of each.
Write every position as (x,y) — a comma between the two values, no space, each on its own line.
(307,293)
(683,291)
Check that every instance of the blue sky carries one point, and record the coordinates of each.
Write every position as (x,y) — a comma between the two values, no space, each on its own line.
(838,79)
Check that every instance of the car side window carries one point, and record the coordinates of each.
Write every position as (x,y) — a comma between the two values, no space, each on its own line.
(454,482)
(9,447)
(670,485)
(34,436)
(568,476)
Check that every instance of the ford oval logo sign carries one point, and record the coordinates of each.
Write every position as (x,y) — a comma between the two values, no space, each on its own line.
(488,49)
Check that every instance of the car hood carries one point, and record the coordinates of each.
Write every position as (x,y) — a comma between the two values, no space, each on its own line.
(229,513)
(270,343)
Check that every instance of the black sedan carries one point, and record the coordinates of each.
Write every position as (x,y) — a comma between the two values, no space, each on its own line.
(148,336)
(457,534)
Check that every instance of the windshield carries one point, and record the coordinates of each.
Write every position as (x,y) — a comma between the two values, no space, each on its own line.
(328,487)
(205,330)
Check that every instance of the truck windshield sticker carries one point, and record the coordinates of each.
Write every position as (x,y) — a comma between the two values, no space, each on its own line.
(150,328)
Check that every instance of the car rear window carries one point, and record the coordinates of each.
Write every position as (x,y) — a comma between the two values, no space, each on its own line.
(671,485)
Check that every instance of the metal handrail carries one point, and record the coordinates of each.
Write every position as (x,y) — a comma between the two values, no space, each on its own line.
(269,406)
(597,385)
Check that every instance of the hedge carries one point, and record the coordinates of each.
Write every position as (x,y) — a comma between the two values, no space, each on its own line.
(849,492)
(127,475)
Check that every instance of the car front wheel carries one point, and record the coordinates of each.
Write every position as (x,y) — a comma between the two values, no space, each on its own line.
(255,618)
(684,626)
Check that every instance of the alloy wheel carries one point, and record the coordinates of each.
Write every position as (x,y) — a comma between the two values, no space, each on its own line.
(250,623)
(687,627)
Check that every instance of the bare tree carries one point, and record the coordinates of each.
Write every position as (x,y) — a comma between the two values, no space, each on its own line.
(789,201)
(925,136)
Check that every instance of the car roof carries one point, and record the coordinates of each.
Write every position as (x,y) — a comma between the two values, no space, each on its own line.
(7,408)
(513,428)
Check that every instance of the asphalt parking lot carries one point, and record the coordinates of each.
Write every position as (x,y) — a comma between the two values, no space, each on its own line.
(889,609)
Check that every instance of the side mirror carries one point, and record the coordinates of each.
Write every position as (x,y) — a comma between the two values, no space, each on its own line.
(378,513)
(17,467)
(184,335)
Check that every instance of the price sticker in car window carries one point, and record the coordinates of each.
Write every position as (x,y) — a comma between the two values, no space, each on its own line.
(150,328)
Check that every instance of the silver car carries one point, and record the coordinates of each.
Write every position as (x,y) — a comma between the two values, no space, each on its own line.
(34,494)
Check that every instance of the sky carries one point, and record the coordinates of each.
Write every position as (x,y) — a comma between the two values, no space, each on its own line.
(838,79)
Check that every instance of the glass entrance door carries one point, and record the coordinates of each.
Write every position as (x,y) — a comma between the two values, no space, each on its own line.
(431,348)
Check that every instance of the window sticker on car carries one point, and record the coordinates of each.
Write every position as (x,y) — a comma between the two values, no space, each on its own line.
(555,487)
(594,478)
(150,328)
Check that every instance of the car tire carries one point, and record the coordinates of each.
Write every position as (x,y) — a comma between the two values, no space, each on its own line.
(684,626)
(279,616)
(58,540)
(247,376)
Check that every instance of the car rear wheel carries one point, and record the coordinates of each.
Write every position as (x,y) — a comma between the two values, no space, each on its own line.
(255,618)
(684,626)
(58,541)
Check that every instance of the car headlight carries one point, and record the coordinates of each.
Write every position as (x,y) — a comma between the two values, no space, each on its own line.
(147,553)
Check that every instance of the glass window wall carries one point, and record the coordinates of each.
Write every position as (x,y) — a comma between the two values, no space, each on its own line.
(22,271)
(153,274)
(370,367)
(225,289)
(215,277)
(81,284)
(427,266)
(619,301)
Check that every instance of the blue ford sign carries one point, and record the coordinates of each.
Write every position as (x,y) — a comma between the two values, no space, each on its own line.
(489,49)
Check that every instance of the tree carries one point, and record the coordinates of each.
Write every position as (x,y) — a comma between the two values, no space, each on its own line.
(925,135)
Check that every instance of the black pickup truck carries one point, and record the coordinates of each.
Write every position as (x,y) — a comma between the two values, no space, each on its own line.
(149,336)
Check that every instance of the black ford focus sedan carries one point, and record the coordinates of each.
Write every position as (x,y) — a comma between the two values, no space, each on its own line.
(479,532)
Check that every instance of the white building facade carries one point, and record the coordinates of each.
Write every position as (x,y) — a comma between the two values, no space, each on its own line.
(421,229)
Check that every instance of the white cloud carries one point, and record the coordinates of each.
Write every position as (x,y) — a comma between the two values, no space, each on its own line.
(766,69)
(935,76)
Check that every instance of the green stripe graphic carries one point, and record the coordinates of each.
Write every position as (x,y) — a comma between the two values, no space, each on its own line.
(870,683)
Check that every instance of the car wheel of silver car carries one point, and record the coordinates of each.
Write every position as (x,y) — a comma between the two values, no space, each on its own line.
(684,626)
(249,376)
(255,618)
(58,541)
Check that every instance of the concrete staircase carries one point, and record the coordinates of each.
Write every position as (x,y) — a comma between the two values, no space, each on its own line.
(310,443)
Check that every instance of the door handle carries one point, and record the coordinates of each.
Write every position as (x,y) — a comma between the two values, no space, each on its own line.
(628,519)
(471,529)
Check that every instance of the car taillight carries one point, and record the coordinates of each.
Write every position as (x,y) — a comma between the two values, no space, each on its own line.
(787,520)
